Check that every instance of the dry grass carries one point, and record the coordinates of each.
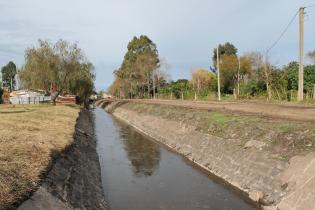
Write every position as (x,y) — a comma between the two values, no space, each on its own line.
(29,136)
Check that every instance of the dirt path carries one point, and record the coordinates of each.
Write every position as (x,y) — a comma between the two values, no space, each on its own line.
(74,182)
(292,112)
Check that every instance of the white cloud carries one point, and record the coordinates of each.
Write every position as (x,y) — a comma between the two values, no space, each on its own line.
(185,31)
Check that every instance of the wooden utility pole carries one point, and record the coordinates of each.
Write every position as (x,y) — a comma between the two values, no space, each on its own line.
(238,77)
(218,72)
(301,66)
(153,81)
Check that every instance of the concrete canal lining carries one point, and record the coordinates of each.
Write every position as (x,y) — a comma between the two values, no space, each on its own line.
(272,183)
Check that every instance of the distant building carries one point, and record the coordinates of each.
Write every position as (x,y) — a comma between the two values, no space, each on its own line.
(28,97)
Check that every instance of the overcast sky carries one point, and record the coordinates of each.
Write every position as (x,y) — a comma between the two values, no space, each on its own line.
(185,31)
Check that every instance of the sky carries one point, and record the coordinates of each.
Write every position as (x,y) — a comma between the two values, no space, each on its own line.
(185,31)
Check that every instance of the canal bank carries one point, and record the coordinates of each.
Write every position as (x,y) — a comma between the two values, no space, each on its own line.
(74,179)
(139,173)
(251,166)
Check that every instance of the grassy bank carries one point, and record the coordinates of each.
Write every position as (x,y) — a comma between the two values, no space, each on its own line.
(283,138)
(30,136)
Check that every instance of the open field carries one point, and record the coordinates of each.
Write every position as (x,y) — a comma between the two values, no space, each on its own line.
(30,137)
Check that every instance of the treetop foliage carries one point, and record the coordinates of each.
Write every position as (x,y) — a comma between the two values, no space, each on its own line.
(138,73)
(8,75)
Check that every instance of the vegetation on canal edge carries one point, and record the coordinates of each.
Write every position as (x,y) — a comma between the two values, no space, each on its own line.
(31,136)
(282,137)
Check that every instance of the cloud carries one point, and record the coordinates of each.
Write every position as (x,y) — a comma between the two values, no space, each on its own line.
(185,31)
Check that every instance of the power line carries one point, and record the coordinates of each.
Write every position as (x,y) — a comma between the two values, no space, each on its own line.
(283,32)
(310,6)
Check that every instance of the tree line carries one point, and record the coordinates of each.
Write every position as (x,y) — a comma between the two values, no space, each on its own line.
(61,65)
(246,76)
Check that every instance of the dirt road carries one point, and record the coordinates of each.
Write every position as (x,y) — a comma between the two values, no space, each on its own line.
(291,112)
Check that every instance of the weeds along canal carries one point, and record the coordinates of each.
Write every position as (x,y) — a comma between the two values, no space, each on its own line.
(140,174)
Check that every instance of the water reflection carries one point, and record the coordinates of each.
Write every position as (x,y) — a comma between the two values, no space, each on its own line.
(138,174)
(143,154)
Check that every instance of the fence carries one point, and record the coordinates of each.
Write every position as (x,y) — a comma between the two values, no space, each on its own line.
(29,99)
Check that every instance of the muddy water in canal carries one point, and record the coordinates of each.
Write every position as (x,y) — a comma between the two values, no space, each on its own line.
(140,174)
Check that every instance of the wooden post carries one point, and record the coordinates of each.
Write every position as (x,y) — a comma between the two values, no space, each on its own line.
(218,72)
(301,65)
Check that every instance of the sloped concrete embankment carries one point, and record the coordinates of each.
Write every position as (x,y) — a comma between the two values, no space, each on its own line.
(74,182)
(273,183)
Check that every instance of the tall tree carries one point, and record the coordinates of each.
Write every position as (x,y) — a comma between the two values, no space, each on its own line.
(62,65)
(262,69)
(136,73)
(224,49)
(202,81)
(8,75)
(229,71)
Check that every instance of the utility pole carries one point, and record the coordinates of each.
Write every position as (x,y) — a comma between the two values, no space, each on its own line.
(301,66)
(238,77)
(218,72)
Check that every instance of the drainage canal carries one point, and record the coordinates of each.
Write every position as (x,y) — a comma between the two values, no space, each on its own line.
(140,174)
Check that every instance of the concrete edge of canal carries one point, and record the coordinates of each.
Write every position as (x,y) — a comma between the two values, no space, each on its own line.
(74,181)
(271,183)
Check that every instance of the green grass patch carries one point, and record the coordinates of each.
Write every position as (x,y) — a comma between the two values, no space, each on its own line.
(286,128)
(221,119)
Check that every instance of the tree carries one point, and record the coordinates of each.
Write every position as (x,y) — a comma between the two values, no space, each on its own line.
(62,65)
(224,49)
(292,70)
(244,72)
(311,56)
(1,94)
(261,69)
(203,81)
(8,75)
(228,72)
(82,83)
(179,88)
(137,72)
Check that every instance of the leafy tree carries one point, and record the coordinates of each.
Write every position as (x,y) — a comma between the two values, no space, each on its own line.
(292,70)
(311,56)
(224,49)
(8,74)
(138,71)
(228,72)
(180,87)
(1,94)
(203,82)
(62,65)
(261,70)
